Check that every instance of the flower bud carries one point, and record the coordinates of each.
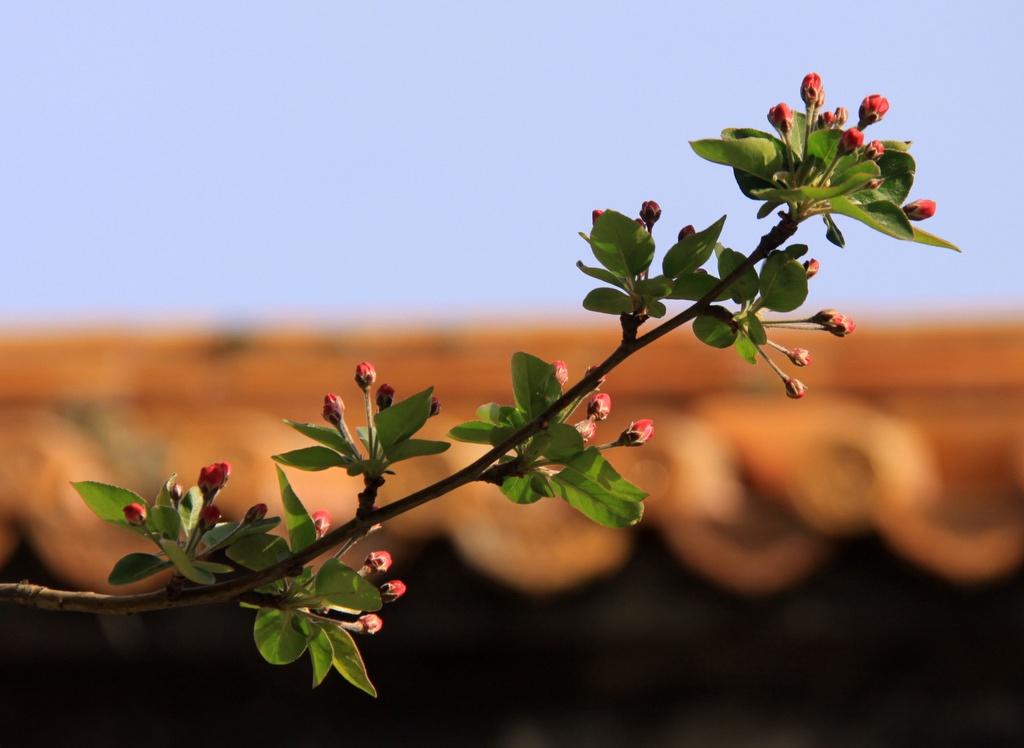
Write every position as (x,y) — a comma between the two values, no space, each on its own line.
(850,141)
(435,406)
(321,522)
(254,514)
(212,478)
(209,516)
(595,214)
(638,433)
(385,396)
(872,109)
(799,356)
(919,209)
(874,184)
(599,381)
(561,372)
(811,268)
(371,623)
(334,408)
(365,375)
(874,150)
(686,231)
(599,407)
(391,591)
(811,91)
(826,121)
(175,491)
(795,388)
(587,429)
(841,116)
(135,514)
(838,324)
(781,117)
(376,562)
(650,212)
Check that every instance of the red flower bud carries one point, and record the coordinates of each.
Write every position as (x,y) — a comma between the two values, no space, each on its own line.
(391,591)
(587,429)
(850,141)
(365,375)
(781,117)
(686,231)
(811,91)
(838,324)
(919,209)
(212,478)
(841,116)
(321,522)
(650,212)
(872,109)
(874,150)
(799,356)
(370,623)
(376,562)
(385,396)
(136,514)
(599,407)
(811,267)
(255,513)
(334,407)
(561,372)
(638,433)
(209,516)
(795,388)
(595,214)
(435,406)
(826,121)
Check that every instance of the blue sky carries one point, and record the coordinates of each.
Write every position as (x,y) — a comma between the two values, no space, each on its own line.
(343,164)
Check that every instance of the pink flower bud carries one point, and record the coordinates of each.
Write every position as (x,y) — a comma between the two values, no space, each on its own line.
(391,591)
(781,117)
(826,121)
(599,381)
(209,516)
(595,214)
(650,212)
(874,150)
(334,407)
(811,91)
(377,562)
(365,375)
(841,116)
(687,230)
(795,388)
(638,433)
(321,522)
(872,109)
(561,372)
(799,356)
(371,623)
(435,406)
(919,209)
(838,324)
(599,407)
(254,514)
(587,429)
(850,141)
(385,396)
(136,514)
(811,267)
(212,478)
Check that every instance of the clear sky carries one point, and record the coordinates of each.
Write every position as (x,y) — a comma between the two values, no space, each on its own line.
(349,163)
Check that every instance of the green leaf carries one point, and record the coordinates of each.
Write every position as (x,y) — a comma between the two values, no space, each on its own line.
(880,215)
(257,552)
(108,502)
(754,329)
(338,586)
(795,251)
(474,432)
(189,507)
(823,144)
(564,442)
(164,497)
(783,283)
(184,564)
(324,435)
(348,661)
(714,332)
(657,287)
(136,566)
(590,485)
(897,169)
(602,274)
(847,183)
(753,155)
(519,490)
(165,521)
(743,288)
(692,252)
(696,286)
(227,533)
(403,419)
(533,384)
(213,567)
(621,244)
(490,413)
(832,232)
(321,652)
(280,635)
(656,309)
(415,448)
(301,531)
(608,301)
(923,237)
(312,458)
(746,349)
(509,415)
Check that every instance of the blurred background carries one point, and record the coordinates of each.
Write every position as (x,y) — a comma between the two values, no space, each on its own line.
(211,213)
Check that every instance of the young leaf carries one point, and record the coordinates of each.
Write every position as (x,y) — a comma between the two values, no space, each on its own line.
(897,170)
(692,252)
(754,329)
(564,442)
(590,485)
(518,489)
(311,458)
(846,183)
(348,661)
(746,349)
(880,215)
(165,521)
(213,567)
(474,432)
(339,586)
(300,527)
(403,419)
(743,288)
(108,502)
(183,563)
(321,652)
(696,286)
(280,635)
(227,533)
(755,155)
(621,244)
(136,566)
(832,232)
(257,552)
(783,283)
(533,384)
(657,287)
(608,301)
(324,435)
(923,237)
(189,507)
(713,331)
(602,274)
(164,497)
(409,448)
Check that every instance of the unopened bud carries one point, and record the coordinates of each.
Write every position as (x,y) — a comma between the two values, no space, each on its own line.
(321,522)
(561,372)
(799,356)
(594,216)
(874,150)
(385,396)
(176,491)
(850,141)
(366,375)
(919,209)
(781,117)
(599,407)
(334,408)
(795,388)
(135,514)
(371,623)
(587,429)
(212,478)
(391,591)
(254,514)
(377,562)
(650,212)
(811,268)
(841,116)
(826,121)
(687,230)
(435,406)
(872,109)
(209,516)
(811,91)
(599,381)
(874,184)
(838,324)
(638,433)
